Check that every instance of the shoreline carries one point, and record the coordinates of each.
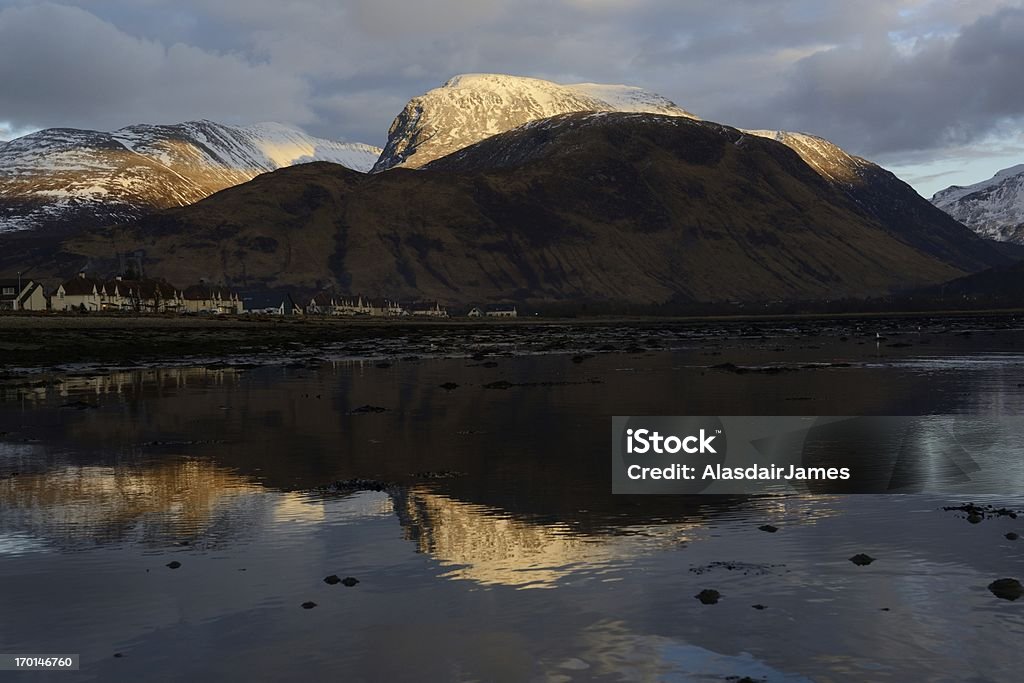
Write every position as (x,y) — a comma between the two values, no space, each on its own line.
(57,342)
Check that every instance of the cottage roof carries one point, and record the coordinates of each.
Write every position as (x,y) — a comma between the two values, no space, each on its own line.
(143,289)
(205,292)
(82,285)
(324,298)
(501,308)
(425,306)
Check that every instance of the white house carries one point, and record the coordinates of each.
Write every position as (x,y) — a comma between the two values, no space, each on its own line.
(84,293)
(203,298)
(502,311)
(428,309)
(80,293)
(21,295)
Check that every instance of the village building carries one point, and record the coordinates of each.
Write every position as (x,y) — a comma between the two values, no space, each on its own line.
(273,305)
(84,293)
(204,298)
(385,308)
(328,302)
(475,312)
(502,311)
(142,296)
(80,293)
(428,309)
(20,294)
(321,303)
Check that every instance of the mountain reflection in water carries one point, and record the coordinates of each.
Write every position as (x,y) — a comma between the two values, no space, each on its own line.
(118,474)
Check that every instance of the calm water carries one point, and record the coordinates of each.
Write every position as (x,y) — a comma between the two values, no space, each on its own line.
(521,567)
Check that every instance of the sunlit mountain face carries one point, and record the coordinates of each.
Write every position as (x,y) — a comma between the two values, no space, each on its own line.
(69,179)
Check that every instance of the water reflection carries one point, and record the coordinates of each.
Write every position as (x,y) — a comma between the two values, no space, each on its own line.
(157,503)
(213,467)
(490,547)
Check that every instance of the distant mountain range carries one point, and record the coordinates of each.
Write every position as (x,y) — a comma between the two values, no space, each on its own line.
(993,208)
(540,193)
(587,208)
(64,178)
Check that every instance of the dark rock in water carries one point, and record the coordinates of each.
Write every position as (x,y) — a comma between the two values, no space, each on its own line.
(862,560)
(361,410)
(308,605)
(759,606)
(1012,536)
(477,356)
(883,609)
(501,384)
(1007,589)
(448,386)
(332,579)
(489,364)
(769,528)
(729,367)
(383,365)
(358,484)
(437,474)
(582,357)
(119,654)
(974,512)
(708,596)
(78,405)
(410,359)
(173,564)
(349,581)
(745,568)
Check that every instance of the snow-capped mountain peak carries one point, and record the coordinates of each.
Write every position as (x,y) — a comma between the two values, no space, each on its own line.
(472,107)
(993,208)
(66,175)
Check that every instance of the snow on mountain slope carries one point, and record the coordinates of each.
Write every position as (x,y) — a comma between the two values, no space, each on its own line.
(62,176)
(472,107)
(993,208)
(828,159)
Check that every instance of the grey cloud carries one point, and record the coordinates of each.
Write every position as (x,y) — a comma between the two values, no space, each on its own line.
(878,98)
(911,75)
(63,66)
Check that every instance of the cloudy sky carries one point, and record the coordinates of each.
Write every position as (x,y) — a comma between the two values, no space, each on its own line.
(930,88)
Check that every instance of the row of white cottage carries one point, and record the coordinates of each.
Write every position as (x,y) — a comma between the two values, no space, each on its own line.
(120,294)
(84,293)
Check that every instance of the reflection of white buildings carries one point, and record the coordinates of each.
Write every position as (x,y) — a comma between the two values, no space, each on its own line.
(128,381)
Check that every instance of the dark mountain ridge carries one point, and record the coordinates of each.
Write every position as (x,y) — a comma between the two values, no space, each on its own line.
(602,208)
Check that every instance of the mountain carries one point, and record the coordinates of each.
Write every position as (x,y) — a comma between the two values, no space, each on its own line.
(608,208)
(61,178)
(472,107)
(880,194)
(993,208)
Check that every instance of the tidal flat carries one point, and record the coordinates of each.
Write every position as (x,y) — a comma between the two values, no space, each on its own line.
(175,515)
